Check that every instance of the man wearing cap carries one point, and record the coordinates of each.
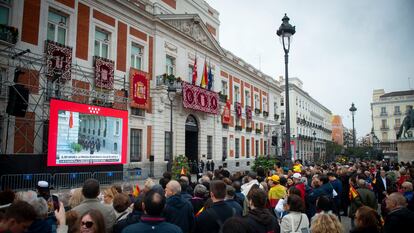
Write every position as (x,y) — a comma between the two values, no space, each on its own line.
(276,191)
(297,179)
(43,189)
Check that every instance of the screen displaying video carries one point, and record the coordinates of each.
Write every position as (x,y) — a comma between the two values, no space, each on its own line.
(81,134)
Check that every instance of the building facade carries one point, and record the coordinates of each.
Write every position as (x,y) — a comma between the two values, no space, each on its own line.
(337,130)
(310,123)
(388,111)
(159,39)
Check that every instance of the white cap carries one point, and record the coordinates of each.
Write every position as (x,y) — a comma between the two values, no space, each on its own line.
(297,176)
(43,184)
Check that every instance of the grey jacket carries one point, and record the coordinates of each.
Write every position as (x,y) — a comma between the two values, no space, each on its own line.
(107,211)
(295,220)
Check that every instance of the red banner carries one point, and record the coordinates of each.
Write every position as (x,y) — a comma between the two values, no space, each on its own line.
(200,99)
(248,113)
(238,110)
(104,73)
(226,116)
(139,88)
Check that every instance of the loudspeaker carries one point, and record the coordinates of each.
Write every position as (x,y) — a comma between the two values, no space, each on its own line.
(151,158)
(18,100)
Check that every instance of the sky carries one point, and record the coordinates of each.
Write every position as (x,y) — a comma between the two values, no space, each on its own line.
(342,50)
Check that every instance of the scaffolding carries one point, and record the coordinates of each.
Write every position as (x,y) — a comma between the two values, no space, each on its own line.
(42,88)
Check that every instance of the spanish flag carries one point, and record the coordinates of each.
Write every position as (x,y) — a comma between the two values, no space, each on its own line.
(136,191)
(352,193)
(204,78)
(200,211)
(183,172)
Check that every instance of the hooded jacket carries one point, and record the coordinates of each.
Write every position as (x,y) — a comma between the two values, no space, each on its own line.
(262,221)
(179,212)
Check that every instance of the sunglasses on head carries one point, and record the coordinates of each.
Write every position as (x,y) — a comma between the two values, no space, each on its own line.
(87,224)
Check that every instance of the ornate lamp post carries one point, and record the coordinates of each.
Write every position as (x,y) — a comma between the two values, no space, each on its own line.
(171,89)
(353,110)
(286,30)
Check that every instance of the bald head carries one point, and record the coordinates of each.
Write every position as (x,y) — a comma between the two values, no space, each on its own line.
(395,200)
(173,188)
(361,183)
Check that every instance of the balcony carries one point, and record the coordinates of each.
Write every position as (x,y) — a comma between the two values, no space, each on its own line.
(397,113)
(257,111)
(222,97)
(383,114)
(169,81)
(8,34)
(384,128)
(238,128)
(258,131)
(265,114)
(248,129)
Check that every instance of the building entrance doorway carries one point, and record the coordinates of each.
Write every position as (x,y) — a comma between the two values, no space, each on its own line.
(191,141)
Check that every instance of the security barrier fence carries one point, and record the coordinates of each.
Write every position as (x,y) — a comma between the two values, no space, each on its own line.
(67,180)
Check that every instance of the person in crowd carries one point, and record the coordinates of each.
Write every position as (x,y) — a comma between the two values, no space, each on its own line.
(148,185)
(367,220)
(276,191)
(212,165)
(344,177)
(72,219)
(381,184)
(184,183)
(326,223)
(259,217)
(108,197)
(322,187)
(238,195)
(132,217)
(41,224)
(212,219)
(153,206)
(208,166)
(27,196)
(280,207)
(337,190)
(178,210)
(299,184)
(251,180)
(43,189)
(229,199)
(236,225)
(76,197)
(92,221)
(201,166)
(199,199)
(295,220)
(407,188)
(128,189)
(363,197)
(18,217)
(121,203)
(90,191)
(324,205)
(399,218)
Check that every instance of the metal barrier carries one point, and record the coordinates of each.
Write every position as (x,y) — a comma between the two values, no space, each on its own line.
(70,180)
(23,181)
(133,174)
(109,177)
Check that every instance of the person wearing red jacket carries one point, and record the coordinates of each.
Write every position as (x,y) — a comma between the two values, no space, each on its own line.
(297,179)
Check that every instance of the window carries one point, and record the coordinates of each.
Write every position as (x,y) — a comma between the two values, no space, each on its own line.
(257,148)
(5,6)
(117,126)
(265,147)
(384,136)
(170,65)
(264,102)
(136,56)
(237,148)
(282,102)
(137,112)
(209,147)
(57,27)
(3,79)
(397,123)
(224,147)
(101,43)
(247,148)
(190,73)
(384,124)
(275,107)
(397,110)
(256,101)
(236,94)
(167,147)
(224,87)
(247,98)
(115,147)
(135,145)
(383,111)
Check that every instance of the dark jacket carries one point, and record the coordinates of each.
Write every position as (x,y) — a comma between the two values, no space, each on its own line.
(208,221)
(132,218)
(380,188)
(186,196)
(324,190)
(197,203)
(262,221)
(235,205)
(400,220)
(179,212)
(150,224)
(366,230)
(40,226)
(365,197)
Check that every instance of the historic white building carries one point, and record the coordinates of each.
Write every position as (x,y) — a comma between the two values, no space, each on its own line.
(156,37)
(388,111)
(310,123)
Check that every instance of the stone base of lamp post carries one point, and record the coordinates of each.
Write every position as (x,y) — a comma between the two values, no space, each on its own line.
(405,150)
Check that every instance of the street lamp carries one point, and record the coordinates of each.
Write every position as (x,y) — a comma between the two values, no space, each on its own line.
(314,145)
(171,89)
(286,30)
(353,110)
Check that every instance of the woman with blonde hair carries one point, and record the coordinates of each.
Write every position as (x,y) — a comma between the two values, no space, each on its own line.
(76,197)
(108,196)
(326,223)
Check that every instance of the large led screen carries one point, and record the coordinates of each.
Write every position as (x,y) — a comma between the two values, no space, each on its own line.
(81,134)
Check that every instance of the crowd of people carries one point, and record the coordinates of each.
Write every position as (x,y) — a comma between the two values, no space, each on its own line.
(376,195)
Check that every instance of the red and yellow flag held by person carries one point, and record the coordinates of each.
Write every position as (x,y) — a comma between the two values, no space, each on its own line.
(352,193)
(136,191)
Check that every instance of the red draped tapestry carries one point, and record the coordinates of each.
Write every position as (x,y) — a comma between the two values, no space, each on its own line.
(248,113)
(226,116)
(139,88)
(200,99)
(238,110)
(104,73)
(58,61)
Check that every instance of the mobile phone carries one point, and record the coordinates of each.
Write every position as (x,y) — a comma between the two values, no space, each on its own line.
(56,203)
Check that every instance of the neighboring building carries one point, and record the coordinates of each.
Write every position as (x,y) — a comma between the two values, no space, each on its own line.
(337,130)
(310,123)
(348,138)
(153,37)
(388,111)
